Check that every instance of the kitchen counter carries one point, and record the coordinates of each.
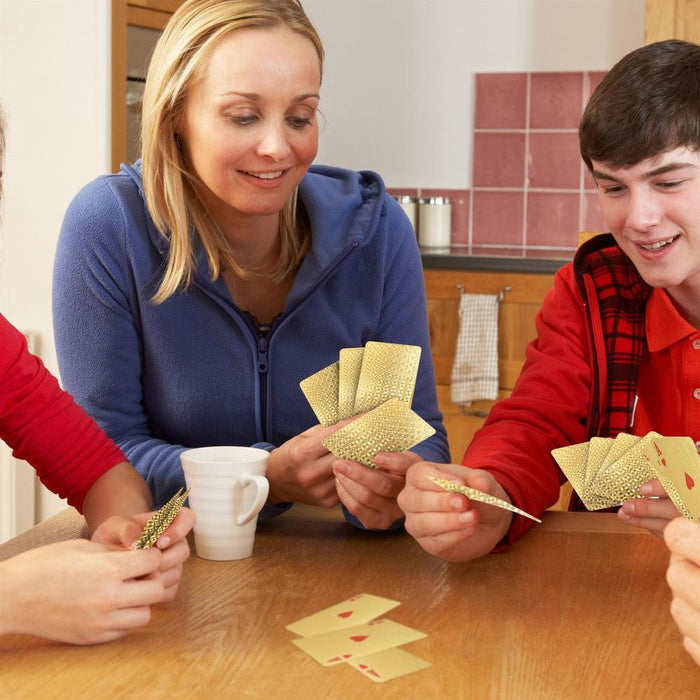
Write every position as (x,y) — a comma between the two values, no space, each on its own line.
(457,258)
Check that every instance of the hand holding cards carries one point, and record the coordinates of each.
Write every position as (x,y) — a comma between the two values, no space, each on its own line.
(377,380)
(604,472)
(349,632)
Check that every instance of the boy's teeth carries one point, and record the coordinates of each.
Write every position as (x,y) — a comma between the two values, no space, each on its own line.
(659,244)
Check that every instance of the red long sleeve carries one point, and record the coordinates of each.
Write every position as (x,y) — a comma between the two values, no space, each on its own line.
(44,426)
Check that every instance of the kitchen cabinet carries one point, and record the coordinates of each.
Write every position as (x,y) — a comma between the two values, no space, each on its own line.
(146,14)
(672,19)
(516,328)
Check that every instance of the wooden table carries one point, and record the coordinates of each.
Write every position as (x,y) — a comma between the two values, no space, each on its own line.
(578,608)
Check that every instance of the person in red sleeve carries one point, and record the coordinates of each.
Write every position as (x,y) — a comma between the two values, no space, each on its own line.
(618,345)
(79,591)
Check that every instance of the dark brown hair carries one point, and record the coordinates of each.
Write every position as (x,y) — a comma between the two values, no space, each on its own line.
(649,103)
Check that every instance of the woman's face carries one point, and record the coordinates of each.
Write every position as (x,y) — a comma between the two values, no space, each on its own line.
(249,127)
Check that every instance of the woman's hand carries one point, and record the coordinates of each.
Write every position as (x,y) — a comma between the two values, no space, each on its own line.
(370,494)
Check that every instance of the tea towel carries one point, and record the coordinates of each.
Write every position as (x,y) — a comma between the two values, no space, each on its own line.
(475,368)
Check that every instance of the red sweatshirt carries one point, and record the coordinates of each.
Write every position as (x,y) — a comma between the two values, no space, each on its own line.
(43,425)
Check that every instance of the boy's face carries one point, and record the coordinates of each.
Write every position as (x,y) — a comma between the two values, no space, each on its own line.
(653,211)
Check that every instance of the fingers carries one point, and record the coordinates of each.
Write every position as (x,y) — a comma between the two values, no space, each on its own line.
(683,538)
(177,530)
(654,514)
(369,494)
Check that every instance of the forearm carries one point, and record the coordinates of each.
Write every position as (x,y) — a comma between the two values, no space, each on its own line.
(119,491)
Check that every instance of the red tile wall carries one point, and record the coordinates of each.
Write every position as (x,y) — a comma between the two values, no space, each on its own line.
(531,192)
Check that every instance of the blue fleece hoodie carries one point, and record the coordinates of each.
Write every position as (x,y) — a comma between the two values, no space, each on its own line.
(193,371)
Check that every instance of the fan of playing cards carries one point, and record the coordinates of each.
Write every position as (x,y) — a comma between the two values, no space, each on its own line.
(604,472)
(377,380)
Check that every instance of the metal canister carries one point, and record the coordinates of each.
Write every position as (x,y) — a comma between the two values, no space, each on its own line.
(409,205)
(434,222)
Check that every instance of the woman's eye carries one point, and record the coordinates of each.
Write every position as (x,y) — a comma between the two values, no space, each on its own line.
(243,120)
(299,122)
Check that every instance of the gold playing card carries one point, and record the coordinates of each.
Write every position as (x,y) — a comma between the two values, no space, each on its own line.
(321,391)
(348,375)
(573,461)
(476,495)
(621,480)
(159,522)
(388,371)
(391,427)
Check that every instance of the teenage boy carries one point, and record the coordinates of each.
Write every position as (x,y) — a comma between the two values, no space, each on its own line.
(618,346)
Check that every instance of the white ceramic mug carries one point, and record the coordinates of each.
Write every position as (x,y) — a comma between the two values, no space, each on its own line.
(228,489)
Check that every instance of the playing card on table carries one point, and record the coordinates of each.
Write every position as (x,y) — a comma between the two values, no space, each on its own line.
(352,612)
(391,427)
(388,371)
(321,391)
(388,664)
(353,642)
(676,464)
(350,364)
(476,495)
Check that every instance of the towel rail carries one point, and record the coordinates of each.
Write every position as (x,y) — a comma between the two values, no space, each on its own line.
(499,297)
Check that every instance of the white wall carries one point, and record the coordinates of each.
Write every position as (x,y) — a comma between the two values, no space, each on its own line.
(54,88)
(398,85)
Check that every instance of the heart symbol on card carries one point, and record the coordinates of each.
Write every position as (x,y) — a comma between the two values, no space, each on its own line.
(358,637)
(689,481)
(347,613)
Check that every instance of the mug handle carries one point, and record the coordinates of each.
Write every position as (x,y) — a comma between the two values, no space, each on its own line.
(262,488)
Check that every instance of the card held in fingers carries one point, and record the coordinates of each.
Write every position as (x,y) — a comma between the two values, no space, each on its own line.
(349,374)
(321,391)
(476,495)
(676,464)
(388,664)
(353,642)
(349,613)
(391,427)
(389,370)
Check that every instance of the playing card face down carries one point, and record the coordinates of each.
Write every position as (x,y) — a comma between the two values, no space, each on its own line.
(622,479)
(355,611)
(391,427)
(388,371)
(476,495)
(321,391)
(676,463)
(350,362)
(388,664)
(159,522)
(354,642)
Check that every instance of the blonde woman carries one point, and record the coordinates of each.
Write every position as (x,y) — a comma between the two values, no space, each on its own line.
(194,290)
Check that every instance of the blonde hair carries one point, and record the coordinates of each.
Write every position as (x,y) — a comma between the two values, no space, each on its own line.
(171,190)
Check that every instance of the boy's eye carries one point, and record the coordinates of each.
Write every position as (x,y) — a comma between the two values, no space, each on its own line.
(611,189)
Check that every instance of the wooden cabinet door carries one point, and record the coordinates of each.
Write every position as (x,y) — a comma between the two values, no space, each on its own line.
(152,14)
(516,328)
(672,19)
